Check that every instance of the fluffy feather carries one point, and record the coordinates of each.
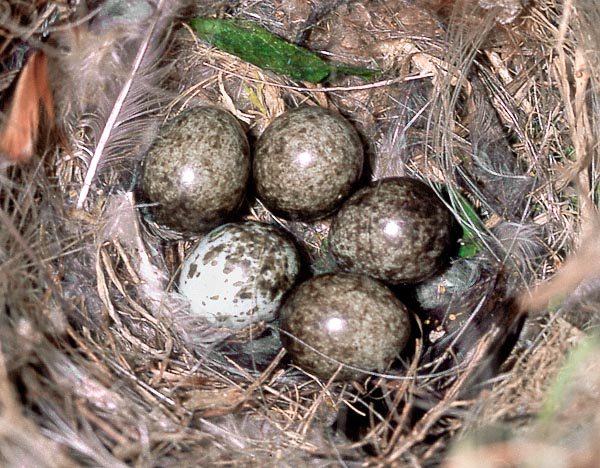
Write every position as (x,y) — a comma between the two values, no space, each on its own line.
(120,223)
(110,75)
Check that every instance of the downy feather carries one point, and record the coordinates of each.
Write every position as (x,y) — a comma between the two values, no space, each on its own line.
(110,75)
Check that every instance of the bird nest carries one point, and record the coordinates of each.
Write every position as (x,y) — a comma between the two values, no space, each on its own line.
(492,102)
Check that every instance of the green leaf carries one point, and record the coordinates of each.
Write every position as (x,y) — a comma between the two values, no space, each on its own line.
(468,249)
(469,245)
(258,46)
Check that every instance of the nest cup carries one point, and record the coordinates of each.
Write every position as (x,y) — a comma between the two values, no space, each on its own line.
(102,363)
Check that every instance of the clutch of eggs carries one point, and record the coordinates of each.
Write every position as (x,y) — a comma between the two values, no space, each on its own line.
(238,273)
(306,164)
(196,173)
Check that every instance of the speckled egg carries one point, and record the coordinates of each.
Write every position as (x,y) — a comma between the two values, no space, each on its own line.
(348,318)
(306,163)
(197,170)
(396,230)
(238,272)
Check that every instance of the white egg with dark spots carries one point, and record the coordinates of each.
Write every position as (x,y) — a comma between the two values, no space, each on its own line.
(238,273)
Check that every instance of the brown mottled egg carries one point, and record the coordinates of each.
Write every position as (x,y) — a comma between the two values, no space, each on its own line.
(396,230)
(347,318)
(238,272)
(197,170)
(306,163)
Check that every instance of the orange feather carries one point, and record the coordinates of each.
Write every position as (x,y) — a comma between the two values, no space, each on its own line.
(19,132)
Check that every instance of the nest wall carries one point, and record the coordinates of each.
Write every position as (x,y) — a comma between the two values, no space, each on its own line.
(491,102)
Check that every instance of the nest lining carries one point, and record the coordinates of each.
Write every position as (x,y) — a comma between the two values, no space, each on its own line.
(102,365)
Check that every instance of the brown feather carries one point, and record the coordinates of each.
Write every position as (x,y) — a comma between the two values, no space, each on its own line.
(20,131)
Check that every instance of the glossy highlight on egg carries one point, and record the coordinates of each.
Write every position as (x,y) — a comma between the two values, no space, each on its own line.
(343,324)
(238,273)
(195,175)
(306,163)
(396,230)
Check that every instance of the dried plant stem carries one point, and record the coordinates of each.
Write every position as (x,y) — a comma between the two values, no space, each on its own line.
(585,262)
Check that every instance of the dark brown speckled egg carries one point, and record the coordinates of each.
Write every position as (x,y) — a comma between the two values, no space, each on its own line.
(396,230)
(349,319)
(197,170)
(306,163)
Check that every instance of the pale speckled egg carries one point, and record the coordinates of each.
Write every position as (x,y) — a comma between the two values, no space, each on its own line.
(348,318)
(197,171)
(396,230)
(306,163)
(238,273)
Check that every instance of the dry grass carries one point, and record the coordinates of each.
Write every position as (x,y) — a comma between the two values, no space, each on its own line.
(102,364)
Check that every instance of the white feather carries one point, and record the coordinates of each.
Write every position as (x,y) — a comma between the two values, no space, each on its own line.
(110,99)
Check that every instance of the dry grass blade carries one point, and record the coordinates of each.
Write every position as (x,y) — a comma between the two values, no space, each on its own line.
(584,263)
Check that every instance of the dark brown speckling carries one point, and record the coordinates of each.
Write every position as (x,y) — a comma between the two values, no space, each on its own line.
(396,230)
(350,318)
(307,162)
(197,170)
(262,263)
